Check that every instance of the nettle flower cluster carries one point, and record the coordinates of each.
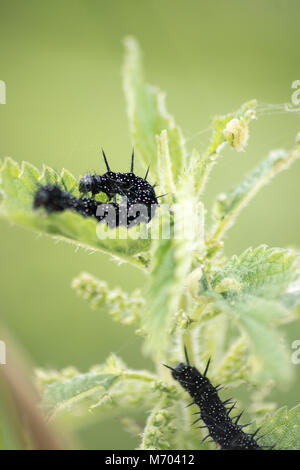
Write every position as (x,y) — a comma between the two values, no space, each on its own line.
(226,309)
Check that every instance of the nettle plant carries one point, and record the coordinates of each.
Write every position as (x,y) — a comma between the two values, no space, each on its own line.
(226,309)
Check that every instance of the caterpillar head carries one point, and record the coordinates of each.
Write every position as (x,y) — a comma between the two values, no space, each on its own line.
(188,376)
(89,183)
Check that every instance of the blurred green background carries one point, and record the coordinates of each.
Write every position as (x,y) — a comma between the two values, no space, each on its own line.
(61,61)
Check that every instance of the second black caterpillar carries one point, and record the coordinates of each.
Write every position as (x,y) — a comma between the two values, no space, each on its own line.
(223,429)
(137,204)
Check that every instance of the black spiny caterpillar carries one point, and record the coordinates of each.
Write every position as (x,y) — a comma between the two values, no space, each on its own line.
(137,190)
(53,198)
(138,200)
(223,429)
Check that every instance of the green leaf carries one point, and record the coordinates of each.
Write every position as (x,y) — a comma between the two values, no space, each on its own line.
(106,389)
(282,429)
(124,308)
(249,288)
(209,340)
(147,113)
(18,186)
(159,297)
(262,272)
(256,317)
(84,388)
(164,166)
(228,206)
(70,181)
(234,367)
